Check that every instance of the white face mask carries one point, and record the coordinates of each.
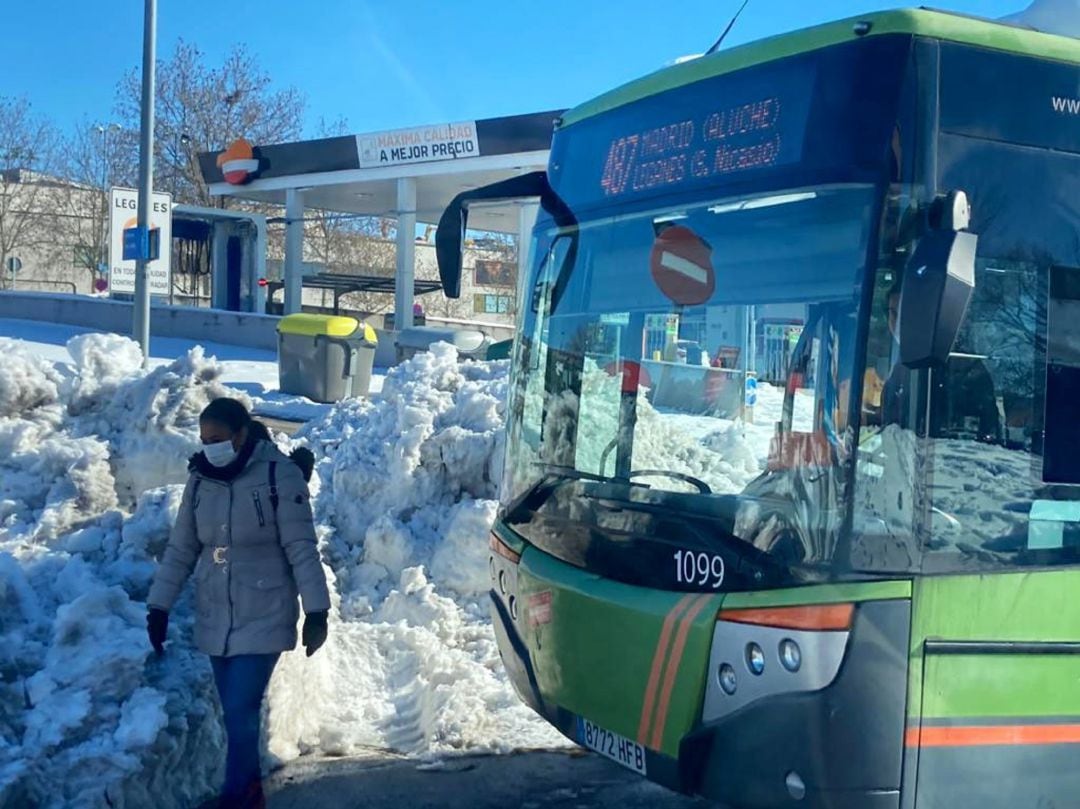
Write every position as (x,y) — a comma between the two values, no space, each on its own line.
(220,454)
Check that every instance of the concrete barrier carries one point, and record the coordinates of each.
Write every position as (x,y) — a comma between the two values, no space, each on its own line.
(102,314)
(189,323)
(386,351)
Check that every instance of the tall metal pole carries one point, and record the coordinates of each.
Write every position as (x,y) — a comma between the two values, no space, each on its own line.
(141,325)
(103,232)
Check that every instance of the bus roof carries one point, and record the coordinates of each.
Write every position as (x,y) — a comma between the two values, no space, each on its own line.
(917,22)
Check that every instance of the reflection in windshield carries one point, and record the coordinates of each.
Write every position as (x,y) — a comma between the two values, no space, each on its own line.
(711,347)
(1003,414)
(972,466)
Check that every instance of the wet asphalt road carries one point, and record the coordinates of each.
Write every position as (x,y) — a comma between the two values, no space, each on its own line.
(531,780)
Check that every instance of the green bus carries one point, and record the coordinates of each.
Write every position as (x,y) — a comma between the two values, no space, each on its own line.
(791,506)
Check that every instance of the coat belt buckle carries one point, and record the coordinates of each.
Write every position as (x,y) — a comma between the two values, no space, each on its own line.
(219,555)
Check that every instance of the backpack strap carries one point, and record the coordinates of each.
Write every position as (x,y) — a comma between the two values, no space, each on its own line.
(273,486)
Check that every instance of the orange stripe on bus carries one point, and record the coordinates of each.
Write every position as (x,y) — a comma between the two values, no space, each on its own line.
(982,736)
(499,547)
(657,664)
(673,669)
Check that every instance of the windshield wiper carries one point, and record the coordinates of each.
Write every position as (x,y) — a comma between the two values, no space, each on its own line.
(557,474)
(554,475)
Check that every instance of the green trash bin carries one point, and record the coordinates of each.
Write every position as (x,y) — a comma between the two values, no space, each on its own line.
(326,358)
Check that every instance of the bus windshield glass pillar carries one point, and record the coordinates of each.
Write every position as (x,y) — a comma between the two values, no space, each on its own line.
(406,253)
(294,250)
(527,213)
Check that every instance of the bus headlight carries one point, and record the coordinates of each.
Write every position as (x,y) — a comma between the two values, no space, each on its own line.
(755,659)
(790,655)
(726,677)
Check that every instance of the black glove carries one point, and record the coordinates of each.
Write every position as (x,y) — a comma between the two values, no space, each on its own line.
(305,459)
(314,632)
(157,625)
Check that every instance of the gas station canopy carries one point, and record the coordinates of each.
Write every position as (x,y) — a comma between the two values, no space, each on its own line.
(410,175)
(359,173)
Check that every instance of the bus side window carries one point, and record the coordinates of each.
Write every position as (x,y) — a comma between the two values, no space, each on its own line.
(1061,429)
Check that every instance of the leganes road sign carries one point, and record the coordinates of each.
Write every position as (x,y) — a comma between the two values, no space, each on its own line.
(123,215)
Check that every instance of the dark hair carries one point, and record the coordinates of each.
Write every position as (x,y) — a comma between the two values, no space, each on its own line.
(228,412)
(259,431)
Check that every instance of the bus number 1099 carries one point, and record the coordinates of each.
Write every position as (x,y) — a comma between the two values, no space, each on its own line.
(699,568)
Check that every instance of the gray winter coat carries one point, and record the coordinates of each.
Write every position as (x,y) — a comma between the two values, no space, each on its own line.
(249,565)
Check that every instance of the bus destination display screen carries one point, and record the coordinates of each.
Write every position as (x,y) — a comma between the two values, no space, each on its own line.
(730,140)
(722,130)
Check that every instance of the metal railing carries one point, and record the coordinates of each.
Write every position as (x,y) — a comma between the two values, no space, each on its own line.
(31,284)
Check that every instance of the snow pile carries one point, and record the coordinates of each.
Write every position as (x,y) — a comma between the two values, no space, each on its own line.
(408,486)
(88,717)
(401,486)
(149,419)
(27,383)
(91,458)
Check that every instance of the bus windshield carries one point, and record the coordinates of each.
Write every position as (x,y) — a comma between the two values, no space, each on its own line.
(658,352)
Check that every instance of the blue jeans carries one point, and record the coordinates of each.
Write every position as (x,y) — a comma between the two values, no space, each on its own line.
(241,684)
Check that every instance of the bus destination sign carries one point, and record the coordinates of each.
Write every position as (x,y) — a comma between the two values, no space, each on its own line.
(725,141)
(760,125)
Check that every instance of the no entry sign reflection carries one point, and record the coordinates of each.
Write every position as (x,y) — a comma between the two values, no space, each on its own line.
(681,265)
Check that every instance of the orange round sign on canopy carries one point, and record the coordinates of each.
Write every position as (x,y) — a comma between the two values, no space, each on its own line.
(681,265)
(633,375)
(238,162)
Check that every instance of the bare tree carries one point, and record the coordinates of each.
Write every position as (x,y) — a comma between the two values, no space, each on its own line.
(96,157)
(201,108)
(353,245)
(27,187)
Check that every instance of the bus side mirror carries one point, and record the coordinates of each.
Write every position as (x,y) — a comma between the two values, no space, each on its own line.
(450,235)
(937,288)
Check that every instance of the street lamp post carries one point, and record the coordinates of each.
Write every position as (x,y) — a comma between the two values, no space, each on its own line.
(104,130)
(141,320)
(182,159)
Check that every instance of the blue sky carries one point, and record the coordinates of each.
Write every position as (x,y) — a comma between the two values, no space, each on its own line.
(384,64)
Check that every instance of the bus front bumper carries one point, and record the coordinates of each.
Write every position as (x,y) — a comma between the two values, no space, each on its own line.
(840,747)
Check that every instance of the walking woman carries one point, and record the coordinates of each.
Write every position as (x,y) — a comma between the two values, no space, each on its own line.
(245,529)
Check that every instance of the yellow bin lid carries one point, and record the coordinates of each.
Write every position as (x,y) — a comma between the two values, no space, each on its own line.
(312,324)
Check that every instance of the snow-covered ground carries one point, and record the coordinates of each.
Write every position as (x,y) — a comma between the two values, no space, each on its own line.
(251,370)
(92,454)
